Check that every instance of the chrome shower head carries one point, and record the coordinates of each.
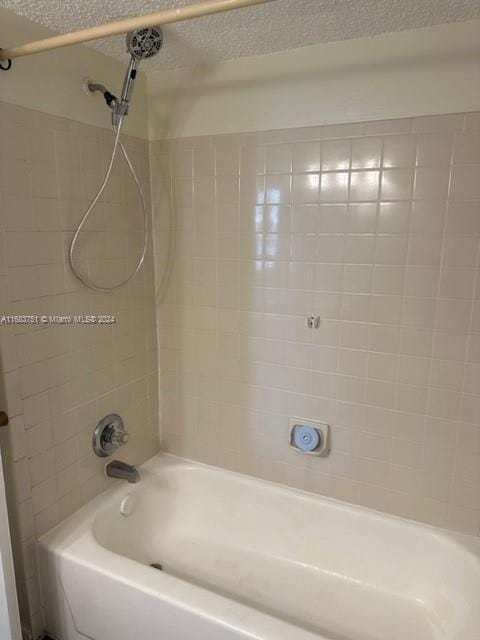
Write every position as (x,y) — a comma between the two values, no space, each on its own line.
(144,43)
(141,44)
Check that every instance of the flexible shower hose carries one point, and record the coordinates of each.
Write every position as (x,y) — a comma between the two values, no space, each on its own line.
(171,236)
(117,143)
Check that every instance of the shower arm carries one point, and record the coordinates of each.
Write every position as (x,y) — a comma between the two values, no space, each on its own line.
(169,16)
(109,98)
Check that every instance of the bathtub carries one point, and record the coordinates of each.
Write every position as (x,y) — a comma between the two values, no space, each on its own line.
(197,553)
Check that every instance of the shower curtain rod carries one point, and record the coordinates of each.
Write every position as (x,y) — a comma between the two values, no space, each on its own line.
(167,16)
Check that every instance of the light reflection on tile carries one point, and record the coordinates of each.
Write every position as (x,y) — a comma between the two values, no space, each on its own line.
(356,230)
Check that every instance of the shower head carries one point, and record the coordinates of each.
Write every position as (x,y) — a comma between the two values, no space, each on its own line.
(144,43)
(141,44)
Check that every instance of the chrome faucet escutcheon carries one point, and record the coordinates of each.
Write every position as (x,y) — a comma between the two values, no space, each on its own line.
(109,435)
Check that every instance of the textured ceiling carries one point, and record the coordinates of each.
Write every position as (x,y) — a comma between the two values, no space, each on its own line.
(276,26)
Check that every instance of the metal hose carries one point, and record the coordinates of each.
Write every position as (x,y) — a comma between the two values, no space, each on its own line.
(91,285)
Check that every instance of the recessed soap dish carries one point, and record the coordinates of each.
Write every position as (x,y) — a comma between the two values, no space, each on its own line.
(310,437)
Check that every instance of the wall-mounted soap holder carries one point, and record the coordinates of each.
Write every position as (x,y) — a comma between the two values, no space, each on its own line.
(310,437)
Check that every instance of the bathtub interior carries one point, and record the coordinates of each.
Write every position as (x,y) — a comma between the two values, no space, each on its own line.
(342,572)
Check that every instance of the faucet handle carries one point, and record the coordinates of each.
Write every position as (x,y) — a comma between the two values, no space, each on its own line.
(118,436)
(109,435)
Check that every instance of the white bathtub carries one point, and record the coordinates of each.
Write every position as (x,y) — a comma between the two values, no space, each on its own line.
(244,558)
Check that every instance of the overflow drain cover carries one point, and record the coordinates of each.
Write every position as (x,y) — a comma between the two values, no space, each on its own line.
(156,565)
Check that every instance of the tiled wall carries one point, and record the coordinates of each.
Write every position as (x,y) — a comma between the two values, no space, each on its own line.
(375,227)
(60,380)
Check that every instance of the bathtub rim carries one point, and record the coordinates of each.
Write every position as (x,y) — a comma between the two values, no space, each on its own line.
(74,543)
(84,517)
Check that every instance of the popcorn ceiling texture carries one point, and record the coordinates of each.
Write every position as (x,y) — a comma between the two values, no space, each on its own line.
(277,26)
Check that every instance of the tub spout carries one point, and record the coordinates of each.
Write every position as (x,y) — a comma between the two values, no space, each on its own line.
(122,471)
